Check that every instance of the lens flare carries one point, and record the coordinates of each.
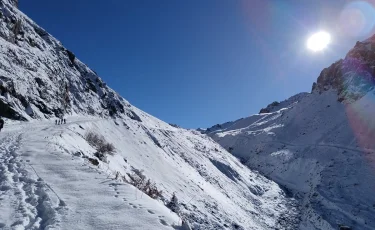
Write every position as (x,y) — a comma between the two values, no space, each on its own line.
(357,19)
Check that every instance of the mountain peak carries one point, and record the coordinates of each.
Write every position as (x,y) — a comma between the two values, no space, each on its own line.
(353,76)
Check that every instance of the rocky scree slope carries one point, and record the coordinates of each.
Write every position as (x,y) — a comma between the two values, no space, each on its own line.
(41,79)
(318,145)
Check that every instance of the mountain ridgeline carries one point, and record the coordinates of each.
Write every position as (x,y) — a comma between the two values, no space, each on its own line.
(354,76)
(40,78)
(318,145)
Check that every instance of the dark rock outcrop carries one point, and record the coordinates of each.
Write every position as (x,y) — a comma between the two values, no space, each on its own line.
(353,76)
(269,107)
(7,111)
(264,110)
(71,56)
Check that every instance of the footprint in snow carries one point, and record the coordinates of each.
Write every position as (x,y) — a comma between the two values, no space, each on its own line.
(150,211)
(18,222)
(163,222)
(62,203)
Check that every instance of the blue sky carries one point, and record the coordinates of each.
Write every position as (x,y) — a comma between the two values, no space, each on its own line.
(201,62)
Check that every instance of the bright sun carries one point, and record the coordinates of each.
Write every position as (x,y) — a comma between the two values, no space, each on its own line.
(318,41)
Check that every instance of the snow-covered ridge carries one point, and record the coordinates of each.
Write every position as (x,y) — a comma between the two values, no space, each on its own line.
(319,149)
(240,123)
(40,78)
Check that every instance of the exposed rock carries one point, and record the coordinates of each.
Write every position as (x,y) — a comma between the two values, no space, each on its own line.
(6,111)
(174,125)
(330,78)
(134,116)
(94,161)
(353,76)
(71,56)
(264,110)
(269,107)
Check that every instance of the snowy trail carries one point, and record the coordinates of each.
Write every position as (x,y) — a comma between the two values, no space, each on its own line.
(43,187)
(20,190)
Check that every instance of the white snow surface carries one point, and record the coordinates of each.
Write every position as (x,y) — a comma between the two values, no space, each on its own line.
(48,183)
(321,150)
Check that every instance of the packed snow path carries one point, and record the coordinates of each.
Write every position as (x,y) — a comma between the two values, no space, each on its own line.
(42,189)
(23,201)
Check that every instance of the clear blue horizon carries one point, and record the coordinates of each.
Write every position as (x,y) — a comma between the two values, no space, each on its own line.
(198,63)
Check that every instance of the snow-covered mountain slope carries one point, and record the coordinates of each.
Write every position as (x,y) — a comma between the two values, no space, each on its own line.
(40,78)
(320,146)
(52,178)
(43,187)
(47,180)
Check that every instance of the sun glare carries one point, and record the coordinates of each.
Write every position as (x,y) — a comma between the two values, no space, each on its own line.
(318,41)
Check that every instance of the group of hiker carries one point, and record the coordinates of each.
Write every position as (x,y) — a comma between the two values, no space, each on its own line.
(57,122)
(60,121)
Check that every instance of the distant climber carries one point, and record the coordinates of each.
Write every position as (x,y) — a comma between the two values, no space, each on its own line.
(1,123)
(55,122)
(58,122)
(64,121)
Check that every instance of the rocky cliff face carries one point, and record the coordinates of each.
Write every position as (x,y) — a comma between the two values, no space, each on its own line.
(14,3)
(40,78)
(352,76)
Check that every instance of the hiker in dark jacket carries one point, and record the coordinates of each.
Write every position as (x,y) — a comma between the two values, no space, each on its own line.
(1,124)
